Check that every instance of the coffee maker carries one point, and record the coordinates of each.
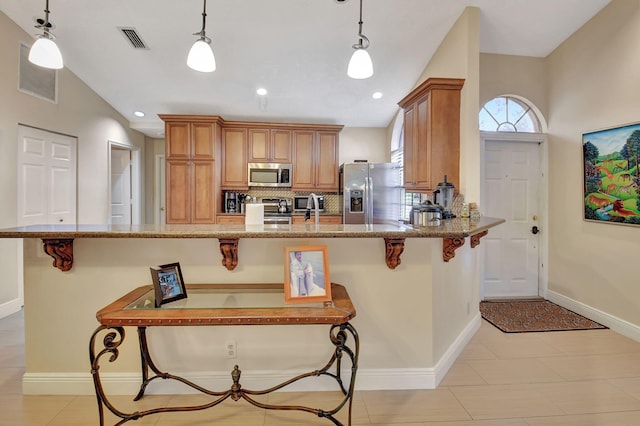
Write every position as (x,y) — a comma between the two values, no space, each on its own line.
(231,202)
(443,196)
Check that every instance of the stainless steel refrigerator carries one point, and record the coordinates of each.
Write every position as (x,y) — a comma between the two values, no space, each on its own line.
(371,193)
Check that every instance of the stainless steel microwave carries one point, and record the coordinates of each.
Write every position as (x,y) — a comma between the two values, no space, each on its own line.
(269,174)
(300,203)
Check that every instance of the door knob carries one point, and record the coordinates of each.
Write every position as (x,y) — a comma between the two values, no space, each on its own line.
(534,230)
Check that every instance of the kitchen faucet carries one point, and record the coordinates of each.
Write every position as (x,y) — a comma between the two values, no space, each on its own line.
(307,214)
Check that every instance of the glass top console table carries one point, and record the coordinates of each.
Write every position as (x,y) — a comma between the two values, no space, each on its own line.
(224,305)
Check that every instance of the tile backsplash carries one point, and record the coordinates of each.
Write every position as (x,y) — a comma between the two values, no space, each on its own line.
(332,201)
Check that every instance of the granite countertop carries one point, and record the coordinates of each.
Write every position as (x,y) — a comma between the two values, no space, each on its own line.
(451,228)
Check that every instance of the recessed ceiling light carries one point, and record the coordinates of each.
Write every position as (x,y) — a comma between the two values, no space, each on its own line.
(139,114)
(261,91)
(377,95)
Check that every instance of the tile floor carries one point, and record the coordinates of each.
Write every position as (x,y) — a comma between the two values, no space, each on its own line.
(577,378)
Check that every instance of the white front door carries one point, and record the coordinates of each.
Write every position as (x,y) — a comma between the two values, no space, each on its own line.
(510,190)
(46,177)
(120,186)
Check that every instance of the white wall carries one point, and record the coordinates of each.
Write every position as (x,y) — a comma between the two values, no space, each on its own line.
(593,84)
(364,143)
(458,57)
(394,311)
(80,113)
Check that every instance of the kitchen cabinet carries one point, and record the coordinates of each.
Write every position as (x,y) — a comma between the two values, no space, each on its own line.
(323,219)
(190,150)
(315,160)
(230,219)
(432,134)
(234,159)
(269,146)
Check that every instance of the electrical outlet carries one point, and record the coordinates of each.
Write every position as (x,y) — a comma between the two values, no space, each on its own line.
(230,349)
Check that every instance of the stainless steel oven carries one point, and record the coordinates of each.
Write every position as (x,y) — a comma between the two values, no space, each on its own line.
(277,211)
(277,220)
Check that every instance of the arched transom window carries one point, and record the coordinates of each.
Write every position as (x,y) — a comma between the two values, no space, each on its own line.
(508,114)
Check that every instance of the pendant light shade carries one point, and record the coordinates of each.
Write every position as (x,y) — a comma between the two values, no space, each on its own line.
(360,65)
(201,55)
(44,51)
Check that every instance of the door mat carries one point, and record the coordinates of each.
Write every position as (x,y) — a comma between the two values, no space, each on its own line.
(521,316)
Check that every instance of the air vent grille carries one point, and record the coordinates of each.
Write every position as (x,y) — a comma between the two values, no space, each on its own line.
(134,38)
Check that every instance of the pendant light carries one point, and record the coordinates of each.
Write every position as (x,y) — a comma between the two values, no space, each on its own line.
(44,51)
(360,65)
(201,55)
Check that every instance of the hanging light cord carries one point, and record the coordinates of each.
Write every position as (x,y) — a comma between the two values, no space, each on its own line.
(361,45)
(45,25)
(201,33)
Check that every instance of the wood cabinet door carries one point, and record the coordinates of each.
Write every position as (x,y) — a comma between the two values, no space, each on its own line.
(409,148)
(327,161)
(178,141)
(444,137)
(323,219)
(178,198)
(332,219)
(281,146)
(203,141)
(422,148)
(231,220)
(303,160)
(258,145)
(234,159)
(203,205)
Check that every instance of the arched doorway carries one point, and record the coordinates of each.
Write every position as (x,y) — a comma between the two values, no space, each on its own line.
(513,187)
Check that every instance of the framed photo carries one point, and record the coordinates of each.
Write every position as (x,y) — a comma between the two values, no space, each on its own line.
(611,178)
(168,283)
(306,274)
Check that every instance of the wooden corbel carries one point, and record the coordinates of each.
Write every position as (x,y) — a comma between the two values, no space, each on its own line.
(61,250)
(393,249)
(229,250)
(449,246)
(475,239)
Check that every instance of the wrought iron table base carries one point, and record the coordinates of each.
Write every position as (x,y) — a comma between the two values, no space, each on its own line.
(113,339)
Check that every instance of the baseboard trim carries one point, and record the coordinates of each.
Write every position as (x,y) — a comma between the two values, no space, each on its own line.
(10,307)
(614,323)
(451,355)
(368,379)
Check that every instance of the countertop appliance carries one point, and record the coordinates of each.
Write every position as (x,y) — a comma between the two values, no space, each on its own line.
(300,203)
(231,202)
(426,214)
(277,210)
(443,196)
(269,174)
(372,193)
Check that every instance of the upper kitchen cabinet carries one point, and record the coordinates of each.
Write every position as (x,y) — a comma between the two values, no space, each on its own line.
(269,146)
(190,148)
(315,159)
(234,159)
(432,134)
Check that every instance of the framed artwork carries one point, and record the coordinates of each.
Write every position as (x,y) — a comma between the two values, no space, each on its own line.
(306,274)
(611,175)
(168,284)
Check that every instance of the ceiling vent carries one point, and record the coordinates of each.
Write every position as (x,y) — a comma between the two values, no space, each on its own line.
(134,38)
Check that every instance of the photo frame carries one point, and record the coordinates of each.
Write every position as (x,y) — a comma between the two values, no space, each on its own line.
(611,179)
(168,284)
(306,274)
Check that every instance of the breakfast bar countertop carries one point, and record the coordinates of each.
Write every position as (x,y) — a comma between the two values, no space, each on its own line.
(451,228)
